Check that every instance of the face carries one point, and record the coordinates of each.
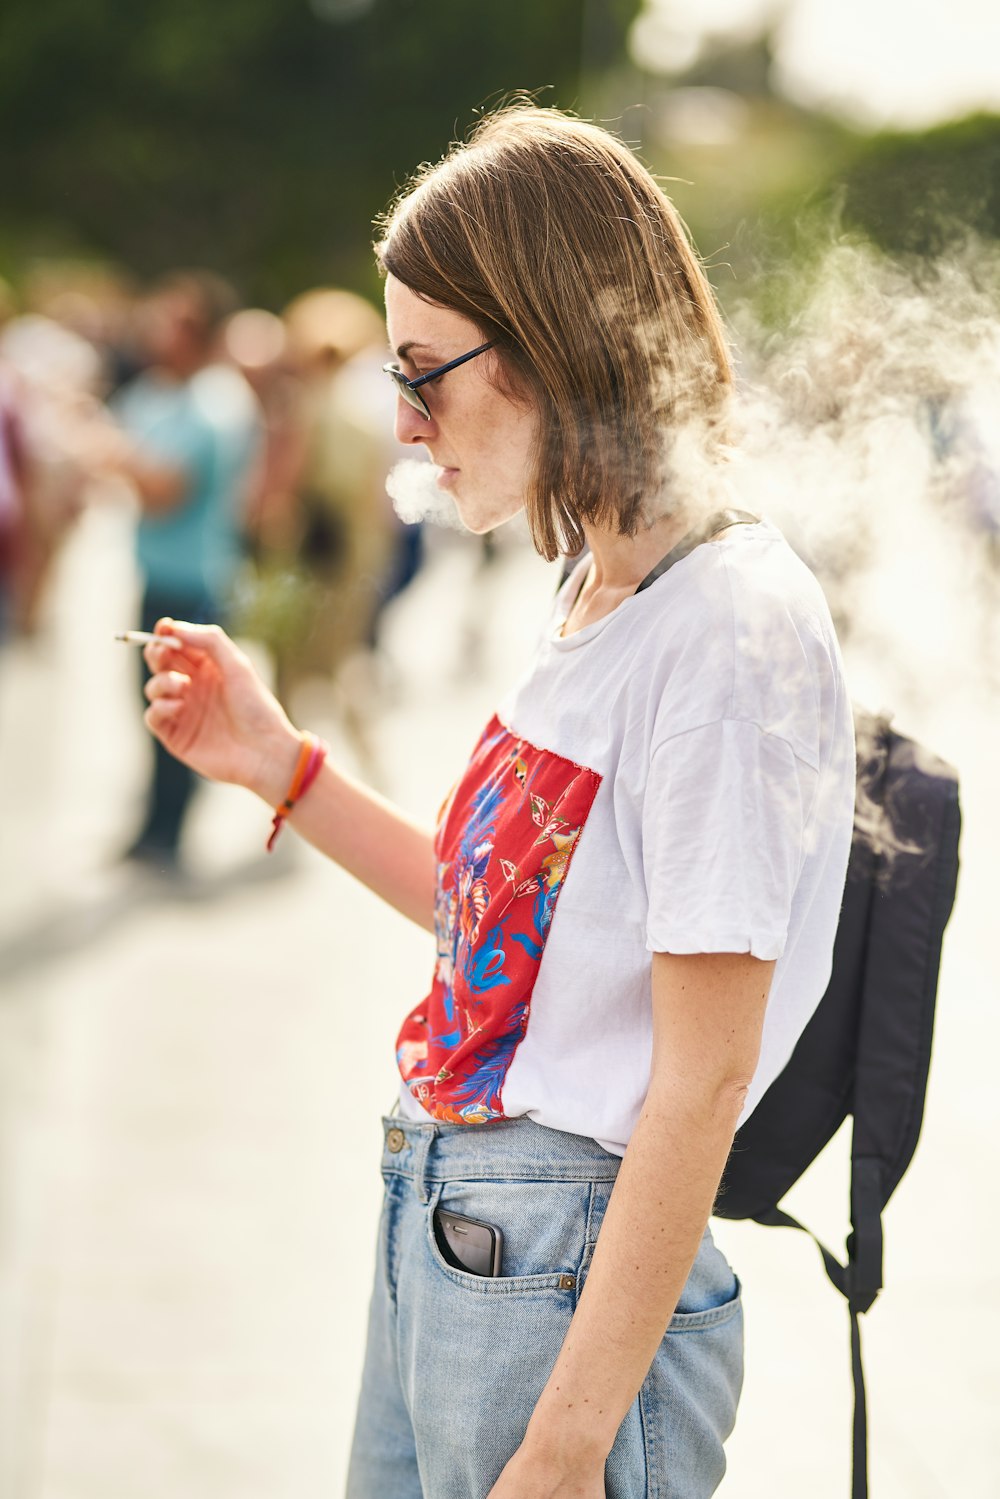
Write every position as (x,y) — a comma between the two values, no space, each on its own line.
(173,331)
(480,438)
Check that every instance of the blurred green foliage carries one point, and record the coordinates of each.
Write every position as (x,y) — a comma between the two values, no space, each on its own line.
(258,137)
(918,194)
(765,207)
(757,200)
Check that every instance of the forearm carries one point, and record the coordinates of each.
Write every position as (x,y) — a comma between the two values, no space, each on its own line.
(647,1244)
(160,487)
(361,831)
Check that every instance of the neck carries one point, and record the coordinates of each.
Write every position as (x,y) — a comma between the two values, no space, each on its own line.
(619,563)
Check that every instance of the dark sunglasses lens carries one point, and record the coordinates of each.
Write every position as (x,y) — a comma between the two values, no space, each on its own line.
(412,397)
(417,401)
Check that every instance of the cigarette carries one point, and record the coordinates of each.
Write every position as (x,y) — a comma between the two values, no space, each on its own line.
(143,637)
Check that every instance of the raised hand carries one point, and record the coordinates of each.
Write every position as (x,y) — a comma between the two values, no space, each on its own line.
(209,707)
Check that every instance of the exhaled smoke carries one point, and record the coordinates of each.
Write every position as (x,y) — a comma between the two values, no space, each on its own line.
(868,422)
(412,488)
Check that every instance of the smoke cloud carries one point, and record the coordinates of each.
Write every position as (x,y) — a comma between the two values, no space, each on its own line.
(868,428)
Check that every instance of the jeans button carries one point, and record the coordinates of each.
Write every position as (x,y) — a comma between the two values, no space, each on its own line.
(567,1282)
(395,1140)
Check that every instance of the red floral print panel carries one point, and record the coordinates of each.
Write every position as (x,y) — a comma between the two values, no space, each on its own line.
(504,843)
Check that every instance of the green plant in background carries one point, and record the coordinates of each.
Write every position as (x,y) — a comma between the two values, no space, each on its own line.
(768,187)
(277,604)
(918,194)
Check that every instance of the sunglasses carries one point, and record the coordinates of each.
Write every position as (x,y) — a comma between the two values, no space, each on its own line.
(409,389)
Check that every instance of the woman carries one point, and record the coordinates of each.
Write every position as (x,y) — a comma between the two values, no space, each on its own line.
(635,884)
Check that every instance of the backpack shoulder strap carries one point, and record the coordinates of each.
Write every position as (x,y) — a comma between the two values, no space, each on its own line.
(717,522)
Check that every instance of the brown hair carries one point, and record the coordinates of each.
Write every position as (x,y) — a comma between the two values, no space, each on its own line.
(548,234)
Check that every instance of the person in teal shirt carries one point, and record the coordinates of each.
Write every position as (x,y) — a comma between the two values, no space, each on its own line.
(193,432)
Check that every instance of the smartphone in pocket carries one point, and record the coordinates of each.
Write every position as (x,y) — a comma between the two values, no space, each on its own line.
(468,1243)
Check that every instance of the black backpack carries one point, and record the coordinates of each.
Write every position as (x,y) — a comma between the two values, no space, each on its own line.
(866,1050)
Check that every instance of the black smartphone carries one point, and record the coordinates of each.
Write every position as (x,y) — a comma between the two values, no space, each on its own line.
(468,1243)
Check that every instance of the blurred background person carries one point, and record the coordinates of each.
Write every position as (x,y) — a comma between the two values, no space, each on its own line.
(343,521)
(320,528)
(193,433)
(12,484)
(95,299)
(54,382)
(12,467)
(257,343)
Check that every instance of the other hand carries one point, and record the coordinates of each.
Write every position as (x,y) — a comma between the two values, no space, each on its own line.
(530,1476)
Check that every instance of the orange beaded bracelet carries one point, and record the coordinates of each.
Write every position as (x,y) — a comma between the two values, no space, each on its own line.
(312,753)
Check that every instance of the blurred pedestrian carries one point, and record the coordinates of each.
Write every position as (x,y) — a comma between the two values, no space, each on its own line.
(345,522)
(193,431)
(13,483)
(634,884)
(257,343)
(55,382)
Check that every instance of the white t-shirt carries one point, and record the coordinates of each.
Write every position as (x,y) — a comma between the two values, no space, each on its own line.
(675,777)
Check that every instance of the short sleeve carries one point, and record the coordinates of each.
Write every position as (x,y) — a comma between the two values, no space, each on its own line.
(723,828)
(174,433)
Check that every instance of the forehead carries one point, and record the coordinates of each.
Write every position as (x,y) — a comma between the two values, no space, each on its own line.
(425,325)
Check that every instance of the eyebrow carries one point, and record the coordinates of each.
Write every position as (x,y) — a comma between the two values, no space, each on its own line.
(404,350)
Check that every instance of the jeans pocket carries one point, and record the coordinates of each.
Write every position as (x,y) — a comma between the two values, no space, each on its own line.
(712,1292)
(537,1236)
(711,1295)
(710,1316)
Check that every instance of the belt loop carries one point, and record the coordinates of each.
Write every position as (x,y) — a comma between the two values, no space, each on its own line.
(421,1176)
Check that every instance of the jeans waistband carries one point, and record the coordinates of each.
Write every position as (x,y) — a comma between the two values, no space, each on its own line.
(503,1150)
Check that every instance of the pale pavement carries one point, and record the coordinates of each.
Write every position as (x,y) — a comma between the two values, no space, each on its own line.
(191,1079)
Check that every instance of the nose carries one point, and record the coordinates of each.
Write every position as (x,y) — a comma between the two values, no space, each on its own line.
(411,425)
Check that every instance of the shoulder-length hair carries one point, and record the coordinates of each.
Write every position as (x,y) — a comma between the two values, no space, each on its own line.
(548,234)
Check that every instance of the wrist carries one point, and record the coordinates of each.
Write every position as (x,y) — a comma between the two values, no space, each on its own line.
(312,754)
(274,766)
(569,1434)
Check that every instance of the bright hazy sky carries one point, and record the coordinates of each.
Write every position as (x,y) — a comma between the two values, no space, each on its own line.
(892,62)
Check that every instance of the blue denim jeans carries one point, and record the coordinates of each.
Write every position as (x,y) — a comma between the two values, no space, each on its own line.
(455,1362)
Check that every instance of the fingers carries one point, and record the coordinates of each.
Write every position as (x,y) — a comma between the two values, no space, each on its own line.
(194,640)
(167,685)
(165,717)
(208,638)
(162,713)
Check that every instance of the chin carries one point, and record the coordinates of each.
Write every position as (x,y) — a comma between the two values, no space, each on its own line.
(476,524)
(479,519)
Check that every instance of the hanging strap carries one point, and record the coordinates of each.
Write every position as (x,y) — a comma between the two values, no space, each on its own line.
(717,522)
(858,1301)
